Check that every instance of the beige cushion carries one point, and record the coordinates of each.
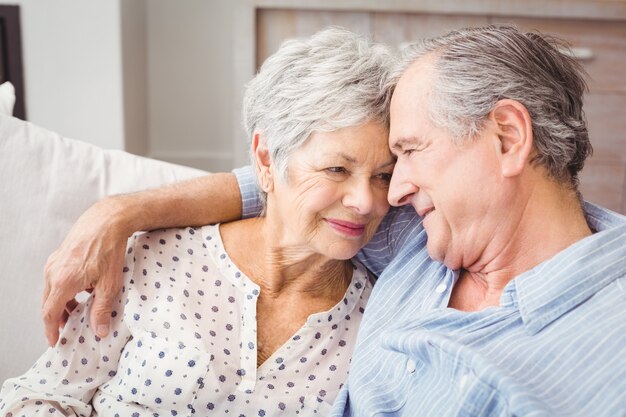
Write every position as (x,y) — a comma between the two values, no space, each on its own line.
(46,182)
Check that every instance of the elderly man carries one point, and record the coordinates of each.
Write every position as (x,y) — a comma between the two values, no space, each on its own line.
(506,295)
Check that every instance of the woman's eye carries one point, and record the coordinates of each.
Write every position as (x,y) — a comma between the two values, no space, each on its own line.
(336,170)
(385,177)
(408,152)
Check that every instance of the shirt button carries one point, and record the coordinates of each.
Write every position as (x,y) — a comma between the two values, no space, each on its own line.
(441,288)
(410,366)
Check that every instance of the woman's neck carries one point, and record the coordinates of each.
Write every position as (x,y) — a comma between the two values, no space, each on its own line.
(294,282)
(281,269)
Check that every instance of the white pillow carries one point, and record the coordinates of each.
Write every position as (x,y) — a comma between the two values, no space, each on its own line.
(46,182)
(7,98)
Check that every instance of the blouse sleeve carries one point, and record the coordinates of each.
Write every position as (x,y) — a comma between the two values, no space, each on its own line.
(66,376)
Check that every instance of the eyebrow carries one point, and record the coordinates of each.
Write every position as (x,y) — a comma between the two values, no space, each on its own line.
(348,158)
(353,160)
(409,140)
(391,161)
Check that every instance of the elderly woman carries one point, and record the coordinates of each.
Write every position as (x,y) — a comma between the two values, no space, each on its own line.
(256,317)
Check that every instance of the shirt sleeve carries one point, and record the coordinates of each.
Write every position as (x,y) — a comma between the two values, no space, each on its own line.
(398,226)
(66,376)
(251,205)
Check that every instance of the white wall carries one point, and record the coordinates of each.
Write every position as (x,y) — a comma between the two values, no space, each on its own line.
(190,82)
(73,68)
(151,77)
(135,70)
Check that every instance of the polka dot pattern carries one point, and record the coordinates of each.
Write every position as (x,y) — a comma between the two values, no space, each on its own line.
(183,342)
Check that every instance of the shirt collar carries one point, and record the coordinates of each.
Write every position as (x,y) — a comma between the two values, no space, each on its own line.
(575,274)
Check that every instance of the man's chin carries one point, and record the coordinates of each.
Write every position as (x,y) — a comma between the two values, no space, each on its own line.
(438,254)
(433,251)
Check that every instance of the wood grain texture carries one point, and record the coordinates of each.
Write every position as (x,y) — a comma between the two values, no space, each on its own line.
(606,117)
(603,184)
(606,41)
(585,9)
(398,28)
(275,26)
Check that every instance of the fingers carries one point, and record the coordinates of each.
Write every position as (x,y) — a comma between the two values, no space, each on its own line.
(52,314)
(46,290)
(54,299)
(48,273)
(89,253)
(105,292)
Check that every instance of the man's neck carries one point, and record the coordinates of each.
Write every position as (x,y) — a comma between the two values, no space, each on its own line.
(551,221)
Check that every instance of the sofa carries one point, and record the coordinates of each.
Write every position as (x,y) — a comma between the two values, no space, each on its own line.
(46,182)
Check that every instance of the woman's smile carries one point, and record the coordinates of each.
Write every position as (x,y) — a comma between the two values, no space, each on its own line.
(347,228)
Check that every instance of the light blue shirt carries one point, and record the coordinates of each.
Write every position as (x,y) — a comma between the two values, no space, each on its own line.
(556,345)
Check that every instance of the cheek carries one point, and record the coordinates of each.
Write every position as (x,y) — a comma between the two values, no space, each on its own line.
(380,197)
(381,208)
(469,195)
(310,196)
(381,202)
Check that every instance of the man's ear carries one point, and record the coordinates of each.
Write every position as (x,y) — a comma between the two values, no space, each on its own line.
(263,162)
(515,133)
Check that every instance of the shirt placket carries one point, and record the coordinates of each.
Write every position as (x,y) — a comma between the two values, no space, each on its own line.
(248,349)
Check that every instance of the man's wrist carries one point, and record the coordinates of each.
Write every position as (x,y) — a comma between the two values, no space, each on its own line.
(122,213)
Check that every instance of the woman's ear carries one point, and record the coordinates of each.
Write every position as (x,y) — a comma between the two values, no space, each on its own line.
(515,133)
(263,162)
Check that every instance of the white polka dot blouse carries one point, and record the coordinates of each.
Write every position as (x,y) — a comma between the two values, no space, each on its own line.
(183,342)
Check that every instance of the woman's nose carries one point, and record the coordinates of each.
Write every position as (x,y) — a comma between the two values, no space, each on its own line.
(360,197)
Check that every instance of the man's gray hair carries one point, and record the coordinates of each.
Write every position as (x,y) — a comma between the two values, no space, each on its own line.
(477,67)
(332,80)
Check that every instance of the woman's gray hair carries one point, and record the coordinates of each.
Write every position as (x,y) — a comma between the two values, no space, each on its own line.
(332,80)
(477,67)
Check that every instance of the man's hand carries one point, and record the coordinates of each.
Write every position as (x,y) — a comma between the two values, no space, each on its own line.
(91,257)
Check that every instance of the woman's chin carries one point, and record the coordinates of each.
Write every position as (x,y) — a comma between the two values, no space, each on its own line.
(342,251)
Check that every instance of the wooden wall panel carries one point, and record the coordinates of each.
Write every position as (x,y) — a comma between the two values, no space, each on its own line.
(398,28)
(605,40)
(604,184)
(606,117)
(274,26)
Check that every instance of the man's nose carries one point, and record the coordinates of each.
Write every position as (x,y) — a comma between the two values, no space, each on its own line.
(401,188)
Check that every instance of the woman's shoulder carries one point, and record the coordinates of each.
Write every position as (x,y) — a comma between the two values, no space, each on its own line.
(170,282)
(169,257)
(174,243)
(174,239)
